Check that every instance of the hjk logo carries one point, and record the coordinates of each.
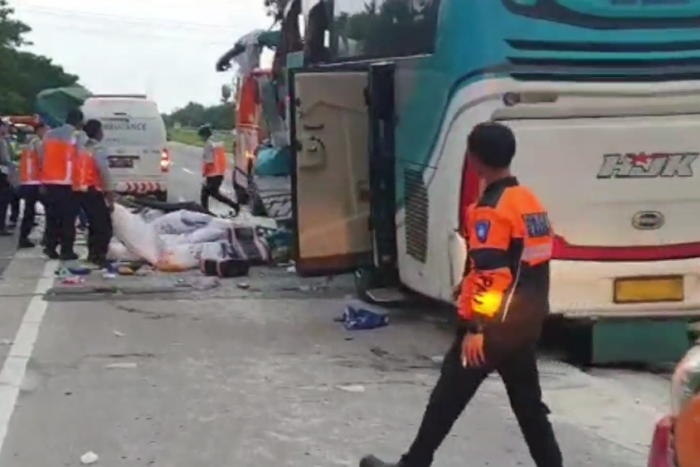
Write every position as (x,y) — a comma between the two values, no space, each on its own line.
(648,165)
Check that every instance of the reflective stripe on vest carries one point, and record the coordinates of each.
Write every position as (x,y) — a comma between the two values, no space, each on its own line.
(29,168)
(59,156)
(86,174)
(218,165)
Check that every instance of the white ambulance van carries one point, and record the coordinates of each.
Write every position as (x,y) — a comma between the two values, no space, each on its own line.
(136,137)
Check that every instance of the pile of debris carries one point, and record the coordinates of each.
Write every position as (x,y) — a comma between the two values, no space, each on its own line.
(185,239)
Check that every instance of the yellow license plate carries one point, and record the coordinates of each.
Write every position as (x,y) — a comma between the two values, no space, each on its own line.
(649,289)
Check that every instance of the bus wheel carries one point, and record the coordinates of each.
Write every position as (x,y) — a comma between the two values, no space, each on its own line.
(162,196)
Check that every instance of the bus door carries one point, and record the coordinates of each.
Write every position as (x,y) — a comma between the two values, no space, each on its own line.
(338,207)
(382,170)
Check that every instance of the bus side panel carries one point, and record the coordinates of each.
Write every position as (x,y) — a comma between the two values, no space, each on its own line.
(331,179)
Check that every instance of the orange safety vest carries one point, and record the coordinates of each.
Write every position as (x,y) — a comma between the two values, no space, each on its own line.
(29,168)
(86,174)
(59,157)
(218,165)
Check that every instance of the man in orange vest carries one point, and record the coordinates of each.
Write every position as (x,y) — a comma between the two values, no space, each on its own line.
(58,156)
(93,185)
(30,181)
(213,170)
(501,308)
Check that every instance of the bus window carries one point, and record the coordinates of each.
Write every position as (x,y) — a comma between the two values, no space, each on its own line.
(367,29)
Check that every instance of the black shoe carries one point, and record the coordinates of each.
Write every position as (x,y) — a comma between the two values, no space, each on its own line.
(71,256)
(24,243)
(5,233)
(51,254)
(372,461)
(12,224)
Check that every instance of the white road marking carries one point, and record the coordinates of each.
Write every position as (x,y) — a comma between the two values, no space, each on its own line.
(15,367)
(188,171)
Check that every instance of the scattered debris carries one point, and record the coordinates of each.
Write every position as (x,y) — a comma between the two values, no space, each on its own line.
(122,366)
(356,388)
(5,342)
(89,458)
(243,285)
(73,280)
(119,334)
(360,316)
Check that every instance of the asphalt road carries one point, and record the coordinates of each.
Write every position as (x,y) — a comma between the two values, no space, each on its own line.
(251,377)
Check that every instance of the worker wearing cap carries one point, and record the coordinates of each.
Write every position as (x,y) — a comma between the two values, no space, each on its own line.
(30,182)
(5,171)
(503,303)
(93,185)
(58,157)
(213,170)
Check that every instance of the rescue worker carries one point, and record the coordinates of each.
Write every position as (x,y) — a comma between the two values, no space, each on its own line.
(503,303)
(213,170)
(5,170)
(59,154)
(15,141)
(93,185)
(30,181)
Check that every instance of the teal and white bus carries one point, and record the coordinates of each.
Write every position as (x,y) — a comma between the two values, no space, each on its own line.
(604,98)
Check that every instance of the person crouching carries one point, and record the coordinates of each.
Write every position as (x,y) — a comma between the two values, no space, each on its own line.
(93,185)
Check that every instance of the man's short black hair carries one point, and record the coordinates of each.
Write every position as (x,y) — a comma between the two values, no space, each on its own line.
(74,117)
(92,128)
(205,131)
(493,144)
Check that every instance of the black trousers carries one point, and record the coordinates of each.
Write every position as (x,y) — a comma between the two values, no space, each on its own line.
(30,194)
(456,387)
(5,199)
(99,221)
(14,205)
(212,188)
(61,211)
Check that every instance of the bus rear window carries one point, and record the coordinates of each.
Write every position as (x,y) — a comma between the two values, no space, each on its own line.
(383,28)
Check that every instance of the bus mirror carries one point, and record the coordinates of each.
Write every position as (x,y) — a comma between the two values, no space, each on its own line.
(225,92)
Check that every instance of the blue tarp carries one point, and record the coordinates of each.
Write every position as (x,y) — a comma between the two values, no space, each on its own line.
(53,104)
(273,162)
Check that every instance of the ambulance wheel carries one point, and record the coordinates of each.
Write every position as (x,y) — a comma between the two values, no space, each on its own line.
(162,196)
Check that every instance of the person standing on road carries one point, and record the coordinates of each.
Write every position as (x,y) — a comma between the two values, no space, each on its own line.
(213,170)
(503,303)
(59,154)
(93,185)
(30,181)
(5,171)
(14,176)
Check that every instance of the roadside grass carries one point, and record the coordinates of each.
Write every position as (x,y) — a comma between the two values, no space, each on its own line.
(189,136)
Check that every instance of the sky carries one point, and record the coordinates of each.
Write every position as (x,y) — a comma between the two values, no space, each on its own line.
(166,49)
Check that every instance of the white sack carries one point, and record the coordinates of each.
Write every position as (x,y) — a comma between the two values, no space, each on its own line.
(149,215)
(206,235)
(139,237)
(180,222)
(246,219)
(119,252)
(184,257)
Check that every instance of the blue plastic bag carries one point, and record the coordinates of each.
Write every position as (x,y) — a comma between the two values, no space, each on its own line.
(356,318)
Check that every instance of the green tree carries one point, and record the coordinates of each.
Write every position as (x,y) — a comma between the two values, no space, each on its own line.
(23,74)
(193,115)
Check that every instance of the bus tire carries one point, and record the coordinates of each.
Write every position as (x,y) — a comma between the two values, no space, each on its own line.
(162,196)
